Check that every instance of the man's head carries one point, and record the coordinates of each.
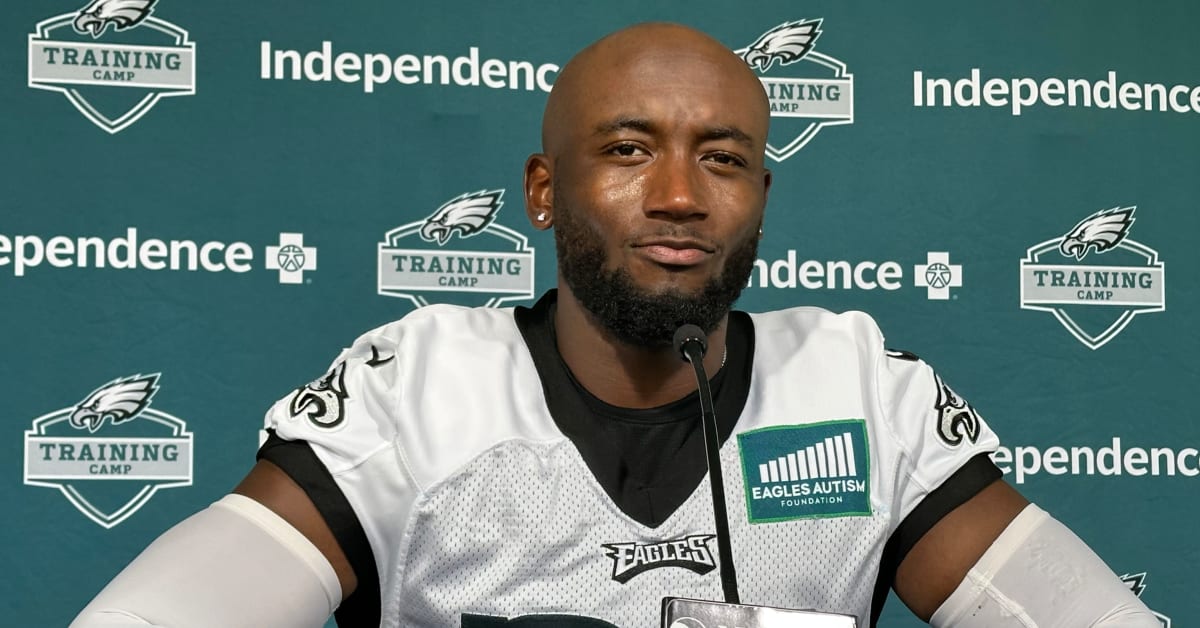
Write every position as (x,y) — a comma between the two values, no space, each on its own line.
(652,175)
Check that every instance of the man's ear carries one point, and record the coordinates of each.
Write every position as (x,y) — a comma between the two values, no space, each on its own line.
(766,191)
(539,191)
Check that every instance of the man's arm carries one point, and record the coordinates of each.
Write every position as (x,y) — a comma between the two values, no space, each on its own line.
(268,485)
(940,560)
(261,557)
(998,561)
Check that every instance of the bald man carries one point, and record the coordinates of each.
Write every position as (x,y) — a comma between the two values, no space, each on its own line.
(565,484)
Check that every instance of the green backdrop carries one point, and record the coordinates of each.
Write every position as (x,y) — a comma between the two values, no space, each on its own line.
(944,167)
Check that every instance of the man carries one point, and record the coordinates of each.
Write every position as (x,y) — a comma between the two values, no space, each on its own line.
(466,467)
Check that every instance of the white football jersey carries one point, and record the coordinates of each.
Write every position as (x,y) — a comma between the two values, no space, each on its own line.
(436,430)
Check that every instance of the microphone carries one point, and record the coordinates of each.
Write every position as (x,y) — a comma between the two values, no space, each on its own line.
(692,343)
(688,338)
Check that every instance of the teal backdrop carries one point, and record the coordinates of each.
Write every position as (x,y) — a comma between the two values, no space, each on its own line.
(211,198)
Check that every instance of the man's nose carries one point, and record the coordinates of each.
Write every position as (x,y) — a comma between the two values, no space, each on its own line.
(673,189)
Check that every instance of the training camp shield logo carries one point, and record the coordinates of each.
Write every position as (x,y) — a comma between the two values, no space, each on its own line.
(1094,279)
(691,553)
(817,470)
(107,44)
(110,452)
(807,90)
(491,265)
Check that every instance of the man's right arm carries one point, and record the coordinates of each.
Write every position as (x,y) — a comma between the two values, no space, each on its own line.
(268,485)
(262,556)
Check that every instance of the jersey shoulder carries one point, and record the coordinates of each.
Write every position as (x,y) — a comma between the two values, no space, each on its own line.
(439,385)
(815,328)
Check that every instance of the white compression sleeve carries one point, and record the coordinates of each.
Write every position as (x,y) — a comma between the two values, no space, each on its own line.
(1037,573)
(234,564)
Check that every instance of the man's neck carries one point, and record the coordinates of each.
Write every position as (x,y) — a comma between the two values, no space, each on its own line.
(622,374)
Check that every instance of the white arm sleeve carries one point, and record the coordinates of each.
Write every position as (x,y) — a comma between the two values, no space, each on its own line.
(1037,573)
(234,564)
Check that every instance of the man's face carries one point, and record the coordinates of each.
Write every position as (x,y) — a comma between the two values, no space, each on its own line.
(658,194)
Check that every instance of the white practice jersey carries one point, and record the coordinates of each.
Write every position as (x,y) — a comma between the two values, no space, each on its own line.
(436,430)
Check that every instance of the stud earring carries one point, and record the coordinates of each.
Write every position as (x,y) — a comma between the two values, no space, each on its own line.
(541,217)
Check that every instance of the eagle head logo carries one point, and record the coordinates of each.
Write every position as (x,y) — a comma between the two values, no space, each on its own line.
(1101,231)
(957,419)
(467,214)
(786,43)
(323,401)
(119,400)
(122,14)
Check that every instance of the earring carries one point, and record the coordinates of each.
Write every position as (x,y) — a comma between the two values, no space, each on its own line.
(541,217)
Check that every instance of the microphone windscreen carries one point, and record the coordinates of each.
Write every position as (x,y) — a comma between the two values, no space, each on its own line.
(688,333)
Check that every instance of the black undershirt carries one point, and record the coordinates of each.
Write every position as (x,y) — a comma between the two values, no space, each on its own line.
(649,461)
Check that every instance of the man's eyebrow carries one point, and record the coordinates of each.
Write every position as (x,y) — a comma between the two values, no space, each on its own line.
(624,123)
(642,125)
(726,133)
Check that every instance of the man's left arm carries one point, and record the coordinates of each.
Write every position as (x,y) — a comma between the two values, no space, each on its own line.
(997,561)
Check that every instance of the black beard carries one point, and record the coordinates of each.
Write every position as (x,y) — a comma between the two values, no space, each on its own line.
(635,316)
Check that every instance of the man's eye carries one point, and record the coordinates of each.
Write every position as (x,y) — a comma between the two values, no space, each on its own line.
(625,150)
(727,159)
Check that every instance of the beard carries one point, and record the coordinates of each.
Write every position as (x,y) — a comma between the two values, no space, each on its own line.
(634,315)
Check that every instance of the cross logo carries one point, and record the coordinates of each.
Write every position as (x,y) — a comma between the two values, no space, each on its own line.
(938,275)
(291,258)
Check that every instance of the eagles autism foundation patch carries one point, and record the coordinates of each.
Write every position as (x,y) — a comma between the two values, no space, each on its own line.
(806,471)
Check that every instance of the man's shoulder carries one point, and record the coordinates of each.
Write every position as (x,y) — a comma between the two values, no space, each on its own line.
(447,312)
(808,322)
(443,322)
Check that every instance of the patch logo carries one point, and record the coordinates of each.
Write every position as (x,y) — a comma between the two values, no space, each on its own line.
(1137,584)
(111,452)
(415,264)
(1097,299)
(957,419)
(146,58)
(322,401)
(631,559)
(818,470)
(808,90)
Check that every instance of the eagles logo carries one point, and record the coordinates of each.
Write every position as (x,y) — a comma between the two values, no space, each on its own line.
(122,14)
(1101,231)
(631,559)
(467,214)
(786,43)
(324,400)
(956,418)
(119,401)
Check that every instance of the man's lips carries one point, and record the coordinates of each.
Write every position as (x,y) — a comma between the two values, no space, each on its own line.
(675,252)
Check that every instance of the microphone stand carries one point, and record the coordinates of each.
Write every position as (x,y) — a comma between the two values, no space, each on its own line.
(692,344)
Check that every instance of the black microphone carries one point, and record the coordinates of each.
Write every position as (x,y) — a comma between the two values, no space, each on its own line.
(691,343)
(689,337)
